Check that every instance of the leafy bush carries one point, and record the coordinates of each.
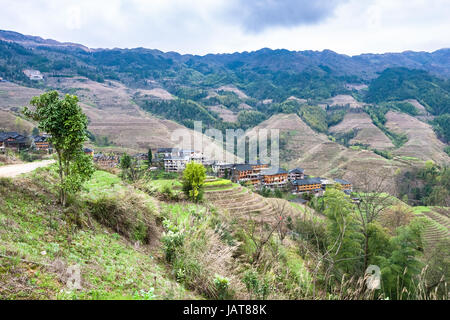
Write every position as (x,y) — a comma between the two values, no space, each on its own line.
(256,287)
(193,180)
(384,153)
(221,284)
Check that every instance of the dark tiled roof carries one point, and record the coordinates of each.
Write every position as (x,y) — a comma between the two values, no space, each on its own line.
(341,181)
(11,134)
(297,170)
(242,167)
(165,150)
(309,181)
(273,171)
(39,138)
(87,150)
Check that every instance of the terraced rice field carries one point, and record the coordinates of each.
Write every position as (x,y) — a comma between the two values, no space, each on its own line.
(438,227)
(242,203)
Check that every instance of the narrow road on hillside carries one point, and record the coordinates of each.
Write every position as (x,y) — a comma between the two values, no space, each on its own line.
(16,169)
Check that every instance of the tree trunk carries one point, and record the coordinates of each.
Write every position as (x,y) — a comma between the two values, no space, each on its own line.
(366,252)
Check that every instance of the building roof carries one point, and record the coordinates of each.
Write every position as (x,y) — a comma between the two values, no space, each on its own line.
(302,182)
(165,150)
(88,150)
(39,138)
(273,171)
(243,167)
(341,181)
(10,134)
(297,170)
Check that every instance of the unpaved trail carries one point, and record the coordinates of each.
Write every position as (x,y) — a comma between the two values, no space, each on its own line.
(16,169)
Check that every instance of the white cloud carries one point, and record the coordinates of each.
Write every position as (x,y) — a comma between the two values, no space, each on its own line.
(203,26)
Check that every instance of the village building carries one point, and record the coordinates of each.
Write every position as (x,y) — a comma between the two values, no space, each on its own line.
(14,140)
(88,151)
(274,178)
(310,185)
(296,174)
(106,161)
(175,163)
(246,173)
(34,75)
(345,185)
(222,169)
(41,143)
(141,156)
(326,183)
(162,153)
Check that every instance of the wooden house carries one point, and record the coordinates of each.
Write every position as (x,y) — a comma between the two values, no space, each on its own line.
(106,161)
(88,151)
(14,140)
(310,185)
(41,143)
(296,174)
(345,185)
(274,178)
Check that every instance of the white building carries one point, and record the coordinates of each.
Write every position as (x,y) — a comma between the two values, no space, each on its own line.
(175,163)
(33,74)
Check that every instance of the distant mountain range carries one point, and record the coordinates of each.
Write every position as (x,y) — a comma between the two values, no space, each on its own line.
(363,66)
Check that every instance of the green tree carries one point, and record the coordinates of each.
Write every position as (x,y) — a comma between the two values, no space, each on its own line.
(344,240)
(35,131)
(400,270)
(149,156)
(131,168)
(64,120)
(193,179)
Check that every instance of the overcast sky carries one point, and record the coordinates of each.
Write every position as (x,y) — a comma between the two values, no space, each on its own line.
(222,26)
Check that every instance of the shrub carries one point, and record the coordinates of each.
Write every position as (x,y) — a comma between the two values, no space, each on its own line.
(193,180)
(221,284)
(259,288)
(127,215)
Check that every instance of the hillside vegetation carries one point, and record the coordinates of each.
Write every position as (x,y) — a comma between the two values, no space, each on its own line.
(148,241)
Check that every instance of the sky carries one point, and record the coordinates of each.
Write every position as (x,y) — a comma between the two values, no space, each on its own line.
(224,26)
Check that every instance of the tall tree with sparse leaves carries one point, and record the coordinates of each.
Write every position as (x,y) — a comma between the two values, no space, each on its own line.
(66,123)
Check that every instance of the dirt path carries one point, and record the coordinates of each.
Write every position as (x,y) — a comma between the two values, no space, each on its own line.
(16,169)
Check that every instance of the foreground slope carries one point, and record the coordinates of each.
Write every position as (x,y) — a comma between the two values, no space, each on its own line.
(39,241)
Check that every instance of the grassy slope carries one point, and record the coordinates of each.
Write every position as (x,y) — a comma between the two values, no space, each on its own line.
(422,141)
(111,266)
(368,133)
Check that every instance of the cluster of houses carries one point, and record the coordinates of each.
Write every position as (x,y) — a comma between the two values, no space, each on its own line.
(175,160)
(34,75)
(16,141)
(258,175)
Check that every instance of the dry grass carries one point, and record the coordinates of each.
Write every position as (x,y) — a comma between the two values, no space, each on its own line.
(368,133)
(422,141)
